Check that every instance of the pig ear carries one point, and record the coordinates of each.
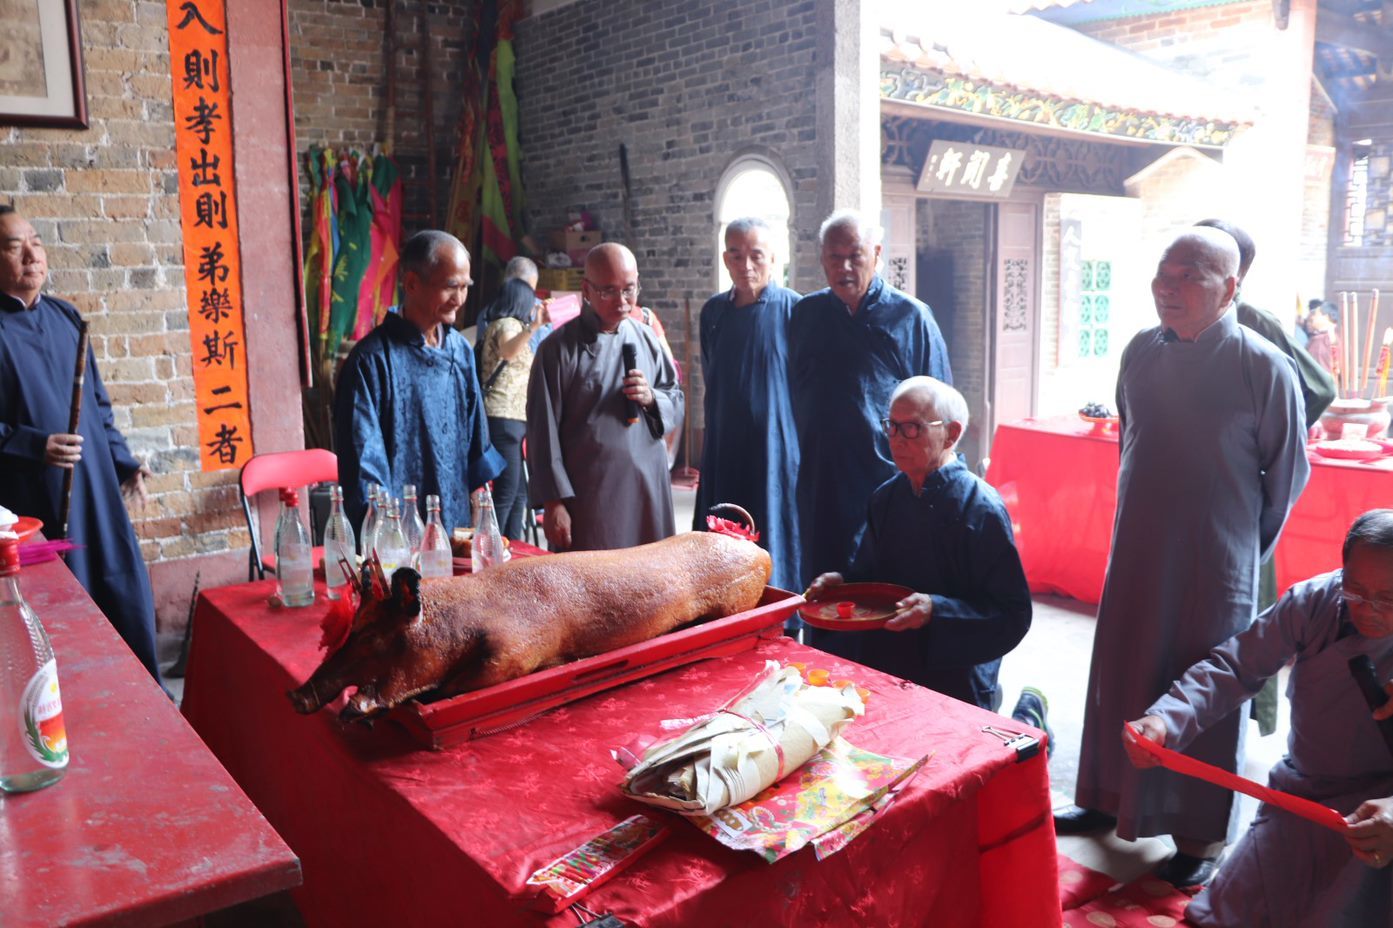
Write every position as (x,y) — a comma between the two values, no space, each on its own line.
(406,591)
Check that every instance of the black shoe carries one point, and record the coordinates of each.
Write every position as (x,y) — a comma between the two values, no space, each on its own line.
(1186,870)
(1032,709)
(1075,820)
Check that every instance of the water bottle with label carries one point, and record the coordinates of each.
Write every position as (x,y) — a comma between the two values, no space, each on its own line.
(338,543)
(488,540)
(412,528)
(434,556)
(33,740)
(391,543)
(372,521)
(294,554)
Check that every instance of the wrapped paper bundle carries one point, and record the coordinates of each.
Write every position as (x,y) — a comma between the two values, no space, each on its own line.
(757,739)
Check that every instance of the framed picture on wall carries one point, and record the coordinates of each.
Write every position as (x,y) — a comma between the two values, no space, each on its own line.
(41,65)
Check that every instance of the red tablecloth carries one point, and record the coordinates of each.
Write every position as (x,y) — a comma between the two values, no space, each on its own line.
(393,835)
(1058,478)
(146,828)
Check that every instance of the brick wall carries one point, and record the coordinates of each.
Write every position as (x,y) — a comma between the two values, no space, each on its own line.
(687,87)
(338,70)
(105,200)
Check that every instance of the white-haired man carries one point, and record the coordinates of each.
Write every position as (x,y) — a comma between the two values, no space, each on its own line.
(939,530)
(849,346)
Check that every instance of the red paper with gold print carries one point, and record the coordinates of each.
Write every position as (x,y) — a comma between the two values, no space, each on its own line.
(208,208)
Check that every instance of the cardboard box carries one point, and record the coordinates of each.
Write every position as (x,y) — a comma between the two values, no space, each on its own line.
(582,241)
(560,278)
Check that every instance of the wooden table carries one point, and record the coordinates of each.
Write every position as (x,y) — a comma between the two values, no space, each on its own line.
(146,828)
(392,834)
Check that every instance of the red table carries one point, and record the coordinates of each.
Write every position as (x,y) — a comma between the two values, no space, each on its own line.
(1058,478)
(394,835)
(146,828)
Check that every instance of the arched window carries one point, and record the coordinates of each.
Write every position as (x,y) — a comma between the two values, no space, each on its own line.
(754,185)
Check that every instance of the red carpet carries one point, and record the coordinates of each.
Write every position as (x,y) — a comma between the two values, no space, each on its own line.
(1088,900)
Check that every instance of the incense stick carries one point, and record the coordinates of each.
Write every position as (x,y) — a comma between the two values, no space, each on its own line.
(1369,345)
(1343,386)
(1356,385)
(74,419)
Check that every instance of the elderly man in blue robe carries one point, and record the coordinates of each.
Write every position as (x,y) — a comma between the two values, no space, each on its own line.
(749,456)
(1213,458)
(407,405)
(848,347)
(936,528)
(1287,871)
(38,352)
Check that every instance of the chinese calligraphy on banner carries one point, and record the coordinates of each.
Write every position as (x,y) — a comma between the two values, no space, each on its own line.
(208,206)
(963,169)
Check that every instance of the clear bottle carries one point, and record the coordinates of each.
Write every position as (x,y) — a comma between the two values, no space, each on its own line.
(434,555)
(391,543)
(372,521)
(294,554)
(338,543)
(412,528)
(33,740)
(488,540)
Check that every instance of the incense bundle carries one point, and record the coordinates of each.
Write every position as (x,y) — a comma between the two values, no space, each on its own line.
(1369,345)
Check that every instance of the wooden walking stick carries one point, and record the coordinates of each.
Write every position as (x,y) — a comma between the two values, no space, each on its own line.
(79,375)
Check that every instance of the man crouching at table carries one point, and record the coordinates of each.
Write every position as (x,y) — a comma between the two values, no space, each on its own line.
(1287,870)
(939,530)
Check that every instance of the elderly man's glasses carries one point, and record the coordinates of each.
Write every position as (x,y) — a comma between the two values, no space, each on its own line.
(909,429)
(1384,606)
(609,294)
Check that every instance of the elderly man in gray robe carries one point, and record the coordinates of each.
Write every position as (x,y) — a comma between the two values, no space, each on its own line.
(595,424)
(1213,458)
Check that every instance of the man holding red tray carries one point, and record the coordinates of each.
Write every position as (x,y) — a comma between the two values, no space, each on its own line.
(1287,870)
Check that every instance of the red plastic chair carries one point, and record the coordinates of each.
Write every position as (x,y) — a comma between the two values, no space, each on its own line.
(274,471)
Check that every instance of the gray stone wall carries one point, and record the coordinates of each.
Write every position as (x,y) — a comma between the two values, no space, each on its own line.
(687,87)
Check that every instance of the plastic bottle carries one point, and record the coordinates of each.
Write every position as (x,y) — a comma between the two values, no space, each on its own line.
(488,540)
(372,521)
(434,555)
(338,543)
(33,741)
(294,554)
(391,543)
(412,528)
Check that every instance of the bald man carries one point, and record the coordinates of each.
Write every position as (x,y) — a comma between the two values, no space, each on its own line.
(1213,458)
(595,425)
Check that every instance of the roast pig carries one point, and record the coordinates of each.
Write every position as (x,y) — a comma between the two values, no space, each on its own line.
(465,633)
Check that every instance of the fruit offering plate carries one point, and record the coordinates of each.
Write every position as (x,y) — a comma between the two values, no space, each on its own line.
(854,607)
(1101,423)
(1352,449)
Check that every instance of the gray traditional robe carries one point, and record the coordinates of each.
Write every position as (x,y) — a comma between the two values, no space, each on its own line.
(612,476)
(1213,458)
(1287,871)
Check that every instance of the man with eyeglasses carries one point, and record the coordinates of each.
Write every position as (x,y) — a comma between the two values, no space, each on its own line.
(1213,447)
(1287,870)
(848,347)
(595,426)
(939,530)
(750,453)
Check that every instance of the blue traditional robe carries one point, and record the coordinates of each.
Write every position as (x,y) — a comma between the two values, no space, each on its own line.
(406,412)
(953,541)
(750,453)
(1287,871)
(843,367)
(1213,450)
(38,350)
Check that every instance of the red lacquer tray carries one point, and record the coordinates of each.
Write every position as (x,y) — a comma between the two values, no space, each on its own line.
(855,607)
(483,712)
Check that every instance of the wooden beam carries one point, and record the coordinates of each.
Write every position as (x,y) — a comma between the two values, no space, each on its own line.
(1342,29)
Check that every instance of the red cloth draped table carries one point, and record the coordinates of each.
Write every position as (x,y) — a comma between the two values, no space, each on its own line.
(146,828)
(1058,478)
(392,834)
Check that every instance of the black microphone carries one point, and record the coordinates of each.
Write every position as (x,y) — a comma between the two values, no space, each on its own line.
(630,363)
(1362,669)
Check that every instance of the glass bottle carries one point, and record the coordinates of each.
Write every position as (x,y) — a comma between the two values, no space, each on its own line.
(372,520)
(33,740)
(391,543)
(338,543)
(434,555)
(488,540)
(412,528)
(294,554)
